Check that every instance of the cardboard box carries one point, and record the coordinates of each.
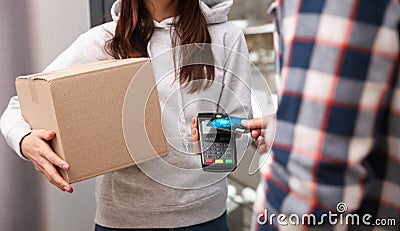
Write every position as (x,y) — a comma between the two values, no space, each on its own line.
(84,106)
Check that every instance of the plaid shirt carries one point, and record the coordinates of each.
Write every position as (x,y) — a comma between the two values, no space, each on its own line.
(338,132)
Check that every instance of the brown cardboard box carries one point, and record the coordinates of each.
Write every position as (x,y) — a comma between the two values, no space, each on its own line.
(84,105)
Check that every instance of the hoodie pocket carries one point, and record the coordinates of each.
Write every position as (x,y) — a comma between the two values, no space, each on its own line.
(131,188)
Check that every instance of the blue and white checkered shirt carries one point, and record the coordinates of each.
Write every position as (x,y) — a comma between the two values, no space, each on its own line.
(338,131)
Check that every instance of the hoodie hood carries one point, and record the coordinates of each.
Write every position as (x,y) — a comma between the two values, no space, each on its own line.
(215,11)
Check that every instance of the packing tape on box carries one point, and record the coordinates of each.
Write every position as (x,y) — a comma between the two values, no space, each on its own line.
(33,91)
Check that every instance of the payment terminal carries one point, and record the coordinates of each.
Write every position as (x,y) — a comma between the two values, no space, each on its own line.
(217,146)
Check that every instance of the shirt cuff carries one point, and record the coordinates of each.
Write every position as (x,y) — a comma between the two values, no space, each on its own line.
(17,135)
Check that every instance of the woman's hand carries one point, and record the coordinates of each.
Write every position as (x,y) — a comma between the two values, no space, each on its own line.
(195,136)
(35,147)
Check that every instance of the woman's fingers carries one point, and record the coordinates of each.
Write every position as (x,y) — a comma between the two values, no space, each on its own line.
(35,147)
(195,136)
(195,133)
(54,176)
(194,122)
(53,158)
(45,150)
(45,134)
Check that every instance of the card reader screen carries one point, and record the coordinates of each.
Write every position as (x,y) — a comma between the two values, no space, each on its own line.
(206,128)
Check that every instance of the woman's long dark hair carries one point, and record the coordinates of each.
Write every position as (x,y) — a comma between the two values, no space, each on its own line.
(135,28)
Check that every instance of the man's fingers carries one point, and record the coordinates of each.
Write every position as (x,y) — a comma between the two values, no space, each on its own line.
(258,128)
(256,123)
(259,141)
(255,133)
(262,148)
(45,134)
(263,132)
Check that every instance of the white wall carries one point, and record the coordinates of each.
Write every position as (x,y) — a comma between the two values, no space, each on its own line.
(54,25)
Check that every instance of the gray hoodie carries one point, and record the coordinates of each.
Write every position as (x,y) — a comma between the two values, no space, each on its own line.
(172,191)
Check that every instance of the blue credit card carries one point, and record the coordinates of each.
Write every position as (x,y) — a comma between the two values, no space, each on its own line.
(228,123)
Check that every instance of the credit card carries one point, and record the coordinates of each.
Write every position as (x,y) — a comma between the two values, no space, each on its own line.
(228,123)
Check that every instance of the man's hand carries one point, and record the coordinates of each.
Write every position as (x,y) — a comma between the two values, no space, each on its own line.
(35,148)
(258,128)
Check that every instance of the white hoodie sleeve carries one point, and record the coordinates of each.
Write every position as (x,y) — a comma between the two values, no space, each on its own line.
(13,125)
(88,47)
